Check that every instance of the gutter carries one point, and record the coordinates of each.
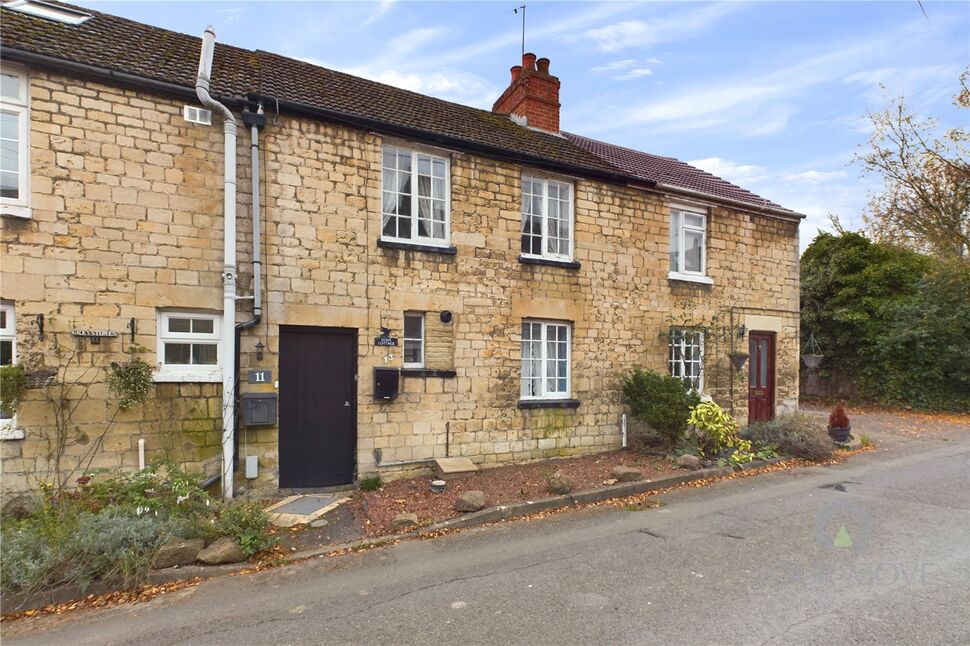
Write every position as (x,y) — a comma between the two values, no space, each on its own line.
(229,259)
(767,211)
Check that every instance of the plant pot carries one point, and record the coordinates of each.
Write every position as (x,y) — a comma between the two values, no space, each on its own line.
(738,359)
(812,361)
(840,434)
(39,378)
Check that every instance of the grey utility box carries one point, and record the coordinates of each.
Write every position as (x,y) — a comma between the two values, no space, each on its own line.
(259,409)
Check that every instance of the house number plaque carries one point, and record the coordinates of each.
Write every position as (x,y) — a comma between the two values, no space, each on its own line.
(259,376)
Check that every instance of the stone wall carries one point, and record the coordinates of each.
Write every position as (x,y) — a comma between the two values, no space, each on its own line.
(126,200)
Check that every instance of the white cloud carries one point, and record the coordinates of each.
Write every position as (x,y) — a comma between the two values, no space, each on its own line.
(635,73)
(613,66)
(730,170)
(813,176)
(623,70)
(382,8)
(644,33)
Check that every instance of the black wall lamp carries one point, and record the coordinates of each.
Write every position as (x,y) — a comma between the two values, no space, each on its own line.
(741,331)
(445,316)
(40,326)
(259,350)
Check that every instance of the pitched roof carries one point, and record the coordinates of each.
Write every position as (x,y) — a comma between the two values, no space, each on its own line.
(669,171)
(119,45)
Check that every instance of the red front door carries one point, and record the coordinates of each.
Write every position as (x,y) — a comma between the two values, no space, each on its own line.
(761,376)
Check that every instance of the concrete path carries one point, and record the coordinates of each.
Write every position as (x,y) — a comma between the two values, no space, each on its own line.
(875,550)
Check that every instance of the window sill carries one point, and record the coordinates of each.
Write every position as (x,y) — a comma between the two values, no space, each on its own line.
(411,246)
(548,403)
(428,372)
(22,212)
(170,375)
(11,432)
(549,262)
(689,278)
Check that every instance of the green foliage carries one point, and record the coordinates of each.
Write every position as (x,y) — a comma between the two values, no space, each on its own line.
(865,440)
(895,322)
(369,483)
(716,430)
(110,527)
(663,402)
(131,382)
(797,435)
(13,382)
(248,524)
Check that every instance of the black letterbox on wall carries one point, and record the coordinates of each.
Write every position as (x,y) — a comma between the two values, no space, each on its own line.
(386,382)
(259,409)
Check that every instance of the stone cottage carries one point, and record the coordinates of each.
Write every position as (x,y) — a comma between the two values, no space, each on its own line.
(418,279)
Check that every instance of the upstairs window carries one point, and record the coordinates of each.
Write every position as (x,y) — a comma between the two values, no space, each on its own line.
(414,339)
(545,359)
(414,197)
(188,346)
(688,238)
(14,142)
(687,356)
(547,218)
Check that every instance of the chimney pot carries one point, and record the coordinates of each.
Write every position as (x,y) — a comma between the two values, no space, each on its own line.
(533,95)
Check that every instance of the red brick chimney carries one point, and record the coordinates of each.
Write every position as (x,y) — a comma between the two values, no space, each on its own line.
(533,94)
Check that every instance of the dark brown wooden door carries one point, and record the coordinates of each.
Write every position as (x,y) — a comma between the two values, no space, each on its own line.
(761,376)
(318,406)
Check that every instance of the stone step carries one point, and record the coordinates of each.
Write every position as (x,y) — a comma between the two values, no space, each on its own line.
(454,468)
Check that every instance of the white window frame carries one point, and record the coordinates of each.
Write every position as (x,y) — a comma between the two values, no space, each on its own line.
(183,372)
(680,272)
(8,425)
(678,368)
(415,238)
(19,207)
(420,340)
(545,181)
(544,394)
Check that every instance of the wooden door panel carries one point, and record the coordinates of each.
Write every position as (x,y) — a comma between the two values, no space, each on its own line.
(318,406)
(761,376)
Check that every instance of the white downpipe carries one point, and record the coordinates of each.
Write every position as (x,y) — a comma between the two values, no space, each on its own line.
(141,454)
(623,429)
(227,349)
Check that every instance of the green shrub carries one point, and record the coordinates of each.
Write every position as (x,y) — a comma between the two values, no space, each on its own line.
(248,524)
(111,545)
(131,382)
(716,430)
(661,401)
(797,435)
(13,382)
(369,483)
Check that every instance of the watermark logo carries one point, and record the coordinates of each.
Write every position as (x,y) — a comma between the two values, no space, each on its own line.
(842,526)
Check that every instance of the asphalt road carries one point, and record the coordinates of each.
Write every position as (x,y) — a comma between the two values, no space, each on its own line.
(749,561)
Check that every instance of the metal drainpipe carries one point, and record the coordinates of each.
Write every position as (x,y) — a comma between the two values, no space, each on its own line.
(255,121)
(229,260)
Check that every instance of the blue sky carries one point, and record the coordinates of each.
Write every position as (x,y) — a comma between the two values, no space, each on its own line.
(770,95)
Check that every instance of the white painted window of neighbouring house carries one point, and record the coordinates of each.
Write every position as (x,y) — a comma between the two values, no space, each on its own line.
(188,346)
(686,358)
(414,339)
(14,142)
(8,350)
(547,218)
(415,197)
(688,243)
(545,359)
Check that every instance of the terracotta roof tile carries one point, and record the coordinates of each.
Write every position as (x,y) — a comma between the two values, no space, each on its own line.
(667,170)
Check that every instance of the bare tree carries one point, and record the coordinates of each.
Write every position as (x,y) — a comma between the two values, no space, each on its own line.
(925,200)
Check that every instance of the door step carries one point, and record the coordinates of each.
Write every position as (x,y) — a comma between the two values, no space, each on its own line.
(454,468)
